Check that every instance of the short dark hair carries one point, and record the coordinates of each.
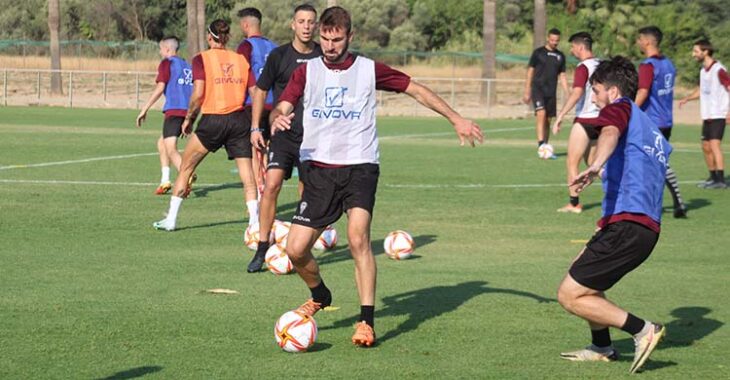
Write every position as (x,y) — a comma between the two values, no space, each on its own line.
(554,32)
(705,45)
(335,18)
(174,39)
(250,12)
(583,38)
(654,32)
(617,71)
(220,31)
(306,7)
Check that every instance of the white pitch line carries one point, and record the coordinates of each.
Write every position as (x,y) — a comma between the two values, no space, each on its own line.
(43,164)
(486,131)
(387,185)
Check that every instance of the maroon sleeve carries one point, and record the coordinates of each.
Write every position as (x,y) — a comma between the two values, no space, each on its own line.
(295,88)
(646,76)
(724,78)
(615,114)
(390,79)
(198,69)
(245,49)
(251,81)
(163,72)
(580,77)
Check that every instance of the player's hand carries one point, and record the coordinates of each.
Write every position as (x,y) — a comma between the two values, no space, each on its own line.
(140,118)
(682,102)
(187,128)
(257,140)
(526,98)
(585,178)
(282,123)
(468,130)
(556,124)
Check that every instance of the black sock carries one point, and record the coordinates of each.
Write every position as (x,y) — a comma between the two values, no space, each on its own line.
(713,175)
(601,338)
(633,324)
(539,143)
(321,294)
(574,201)
(367,315)
(720,175)
(262,248)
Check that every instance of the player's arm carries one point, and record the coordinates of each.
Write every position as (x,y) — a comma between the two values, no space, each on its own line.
(693,96)
(196,100)
(258,98)
(281,116)
(156,94)
(528,85)
(569,104)
(564,83)
(467,130)
(607,142)
(646,76)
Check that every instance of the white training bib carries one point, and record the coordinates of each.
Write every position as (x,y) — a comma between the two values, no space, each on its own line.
(713,95)
(585,107)
(339,114)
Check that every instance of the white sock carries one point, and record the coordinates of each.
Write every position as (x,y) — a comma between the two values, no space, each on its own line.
(165,174)
(175,203)
(253,212)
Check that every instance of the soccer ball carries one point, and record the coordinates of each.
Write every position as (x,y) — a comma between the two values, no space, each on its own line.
(327,240)
(277,261)
(399,245)
(295,332)
(545,151)
(280,231)
(251,236)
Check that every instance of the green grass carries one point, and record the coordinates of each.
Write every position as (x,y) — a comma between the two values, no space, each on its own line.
(90,290)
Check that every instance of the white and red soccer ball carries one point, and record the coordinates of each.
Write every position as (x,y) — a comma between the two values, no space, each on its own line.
(399,245)
(295,332)
(277,261)
(545,151)
(327,240)
(280,232)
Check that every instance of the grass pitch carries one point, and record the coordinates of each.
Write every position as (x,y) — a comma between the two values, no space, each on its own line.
(90,290)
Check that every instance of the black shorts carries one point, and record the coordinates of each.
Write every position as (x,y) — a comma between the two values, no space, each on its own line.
(284,154)
(263,123)
(713,129)
(172,126)
(541,101)
(666,132)
(328,192)
(614,251)
(589,127)
(215,131)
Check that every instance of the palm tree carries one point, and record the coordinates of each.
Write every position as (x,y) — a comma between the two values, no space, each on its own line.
(489,36)
(539,25)
(54,29)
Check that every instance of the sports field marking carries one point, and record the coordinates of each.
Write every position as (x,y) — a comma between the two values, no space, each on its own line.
(43,164)
(434,134)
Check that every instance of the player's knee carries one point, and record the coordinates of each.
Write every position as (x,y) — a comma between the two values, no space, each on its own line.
(272,189)
(706,147)
(566,298)
(359,243)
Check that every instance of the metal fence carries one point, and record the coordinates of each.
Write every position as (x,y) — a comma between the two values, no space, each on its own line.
(473,97)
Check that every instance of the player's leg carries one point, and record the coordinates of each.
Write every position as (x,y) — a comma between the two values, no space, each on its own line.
(250,193)
(541,126)
(710,162)
(299,249)
(267,213)
(237,141)
(165,184)
(191,157)
(719,163)
(358,235)
(578,144)
(670,179)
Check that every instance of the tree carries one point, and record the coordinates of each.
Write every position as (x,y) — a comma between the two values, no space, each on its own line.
(489,36)
(195,11)
(54,29)
(202,27)
(539,24)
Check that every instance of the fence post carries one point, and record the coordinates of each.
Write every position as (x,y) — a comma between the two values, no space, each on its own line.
(39,85)
(103,84)
(70,89)
(5,87)
(136,102)
(489,97)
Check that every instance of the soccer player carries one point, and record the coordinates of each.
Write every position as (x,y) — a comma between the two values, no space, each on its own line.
(284,147)
(583,134)
(635,155)
(339,155)
(655,96)
(713,95)
(256,48)
(220,81)
(547,65)
(175,80)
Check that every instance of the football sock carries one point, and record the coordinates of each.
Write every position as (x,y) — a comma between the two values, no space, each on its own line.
(539,143)
(601,338)
(574,201)
(673,185)
(165,174)
(367,315)
(321,294)
(720,175)
(253,211)
(262,248)
(713,175)
(633,324)
(175,203)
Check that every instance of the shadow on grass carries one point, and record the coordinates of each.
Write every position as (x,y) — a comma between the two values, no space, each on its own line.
(589,206)
(319,347)
(342,253)
(203,191)
(133,373)
(209,225)
(424,304)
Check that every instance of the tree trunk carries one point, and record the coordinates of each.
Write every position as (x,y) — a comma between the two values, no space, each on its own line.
(54,29)
(489,36)
(539,25)
(202,27)
(571,6)
(192,28)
